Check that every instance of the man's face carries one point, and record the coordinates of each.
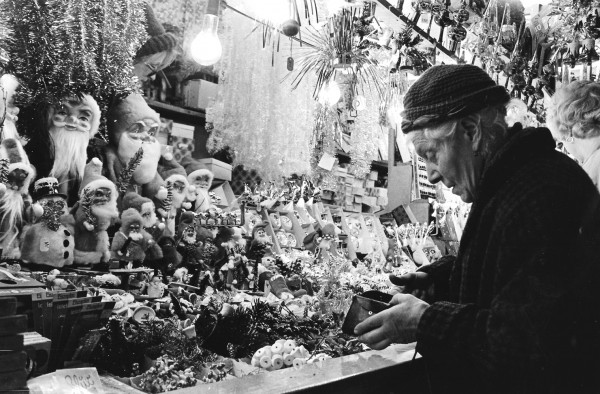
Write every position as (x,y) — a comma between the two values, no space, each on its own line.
(453,163)
(148,214)
(72,115)
(146,67)
(138,135)
(134,228)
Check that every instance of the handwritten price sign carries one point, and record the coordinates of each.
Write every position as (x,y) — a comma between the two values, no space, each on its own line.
(68,381)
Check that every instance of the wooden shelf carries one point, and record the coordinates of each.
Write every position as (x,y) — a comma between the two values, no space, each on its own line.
(168,109)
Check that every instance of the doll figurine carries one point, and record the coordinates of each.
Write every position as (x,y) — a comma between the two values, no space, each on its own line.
(95,212)
(8,109)
(155,288)
(132,242)
(15,202)
(48,241)
(201,178)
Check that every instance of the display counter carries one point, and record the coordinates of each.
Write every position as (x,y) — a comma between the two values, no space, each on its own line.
(385,371)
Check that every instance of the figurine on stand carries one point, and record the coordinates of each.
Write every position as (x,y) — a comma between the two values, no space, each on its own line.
(146,209)
(15,201)
(61,150)
(95,212)
(179,195)
(326,243)
(190,248)
(48,241)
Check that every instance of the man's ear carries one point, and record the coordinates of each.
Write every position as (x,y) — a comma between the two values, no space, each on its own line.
(472,131)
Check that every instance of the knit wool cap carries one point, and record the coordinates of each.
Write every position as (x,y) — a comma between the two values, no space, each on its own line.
(130,216)
(159,40)
(448,92)
(134,200)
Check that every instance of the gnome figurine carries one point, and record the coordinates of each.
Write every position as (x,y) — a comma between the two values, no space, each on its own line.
(180,192)
(145,206)
(201,178)
(95,212)
(48,241)
(15,202)
(132,242)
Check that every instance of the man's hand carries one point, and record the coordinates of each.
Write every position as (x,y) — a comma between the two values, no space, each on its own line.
(418,284)
(395,325)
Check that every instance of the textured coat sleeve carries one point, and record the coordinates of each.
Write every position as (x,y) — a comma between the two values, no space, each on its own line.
(530,319)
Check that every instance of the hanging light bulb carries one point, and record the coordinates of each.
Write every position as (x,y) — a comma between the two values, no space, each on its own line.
(330,93)
(206,47)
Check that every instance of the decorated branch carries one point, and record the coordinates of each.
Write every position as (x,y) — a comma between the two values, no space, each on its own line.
(124,179)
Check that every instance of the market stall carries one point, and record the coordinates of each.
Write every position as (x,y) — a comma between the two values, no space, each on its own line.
(204,194)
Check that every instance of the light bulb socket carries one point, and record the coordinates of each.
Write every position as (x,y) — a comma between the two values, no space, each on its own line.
(212,7)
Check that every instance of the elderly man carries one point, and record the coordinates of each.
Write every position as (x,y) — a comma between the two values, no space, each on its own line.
(518,309)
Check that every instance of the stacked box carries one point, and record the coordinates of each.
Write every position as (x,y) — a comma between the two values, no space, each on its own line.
(356,195)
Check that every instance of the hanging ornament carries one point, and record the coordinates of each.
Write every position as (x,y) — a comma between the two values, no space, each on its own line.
(462,15)
(423,6)
(443,19)
(291,26)
(592,25)
(359,103)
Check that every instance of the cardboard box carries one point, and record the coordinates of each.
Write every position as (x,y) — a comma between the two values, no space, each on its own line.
(373,175)
(199,93)
(358,190)
(369,183)
(359,199)
(221,170)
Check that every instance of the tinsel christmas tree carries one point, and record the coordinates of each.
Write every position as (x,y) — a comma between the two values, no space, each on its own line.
(61,49)
(53,210)
(124,178)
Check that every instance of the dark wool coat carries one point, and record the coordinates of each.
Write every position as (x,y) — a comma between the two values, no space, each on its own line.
(518,310)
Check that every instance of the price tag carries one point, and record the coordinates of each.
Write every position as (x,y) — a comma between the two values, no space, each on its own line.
(68,381)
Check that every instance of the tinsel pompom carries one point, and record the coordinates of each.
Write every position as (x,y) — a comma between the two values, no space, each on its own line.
(38,210)
(88,226)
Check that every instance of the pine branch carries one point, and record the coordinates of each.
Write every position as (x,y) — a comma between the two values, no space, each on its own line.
(124,179)
(3,170)
(167,203)
(86,205)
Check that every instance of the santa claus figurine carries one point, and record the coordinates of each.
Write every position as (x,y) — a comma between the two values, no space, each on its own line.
(132,242)
(61,150)
(132,125)
(147,210)
(8,109)
(201,179)
(95,212)
(48,241)
(15,202)
(181,193)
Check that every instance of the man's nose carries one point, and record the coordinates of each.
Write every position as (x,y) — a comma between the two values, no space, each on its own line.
(71,119)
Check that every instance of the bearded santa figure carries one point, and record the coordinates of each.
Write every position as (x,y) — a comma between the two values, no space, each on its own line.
(8,109)
(147,210)
(15,202)
(202,181)
(132,242)
(95,212)
(62,152)
(182,194)
(132,125)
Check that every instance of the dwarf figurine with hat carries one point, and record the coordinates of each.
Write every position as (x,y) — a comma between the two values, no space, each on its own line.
(60,151)
(15,202)
(92,215)
(189,246)
(146,209)
(260,244)
(132,242)
(158,52)
(132,125)
(201,178)
(48,241)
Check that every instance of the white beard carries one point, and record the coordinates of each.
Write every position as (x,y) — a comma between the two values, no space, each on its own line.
(149,222)
(104,214)
(146,171)
(11,206)
(189,239)
(9,129)
(70,153)
(136,236)
(178,199)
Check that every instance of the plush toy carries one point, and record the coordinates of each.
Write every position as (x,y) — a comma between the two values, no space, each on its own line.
(8,110)
(15,202)
(95,212)
(132,242)
(188,245)
(48,241)
(171,257)
(61,150)
(132,126)
(146,208)
(201,179)
(261,243)
(326,247)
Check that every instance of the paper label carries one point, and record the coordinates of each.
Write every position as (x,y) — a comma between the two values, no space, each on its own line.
(44,244)
(76,380)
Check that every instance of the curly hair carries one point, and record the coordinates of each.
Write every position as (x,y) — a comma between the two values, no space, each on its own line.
(491,121)
(575,108)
